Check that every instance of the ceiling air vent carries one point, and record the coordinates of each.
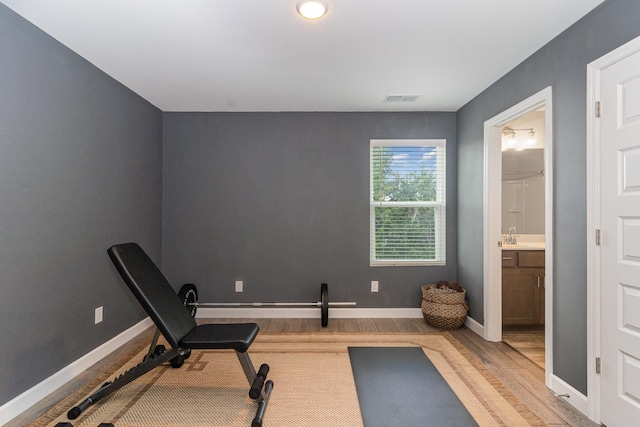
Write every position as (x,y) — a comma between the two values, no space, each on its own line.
(401,98)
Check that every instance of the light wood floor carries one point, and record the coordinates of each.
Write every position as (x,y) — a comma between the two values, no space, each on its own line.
(524,377)
(529,343)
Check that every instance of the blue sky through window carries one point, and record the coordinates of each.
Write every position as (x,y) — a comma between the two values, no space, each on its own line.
(405,160)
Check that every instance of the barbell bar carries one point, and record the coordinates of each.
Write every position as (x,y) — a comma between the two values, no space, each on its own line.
(271,304)
(189,296)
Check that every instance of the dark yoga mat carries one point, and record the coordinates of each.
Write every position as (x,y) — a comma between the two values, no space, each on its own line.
(399,386)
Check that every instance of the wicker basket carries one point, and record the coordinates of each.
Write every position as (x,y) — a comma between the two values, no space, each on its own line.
(444,305)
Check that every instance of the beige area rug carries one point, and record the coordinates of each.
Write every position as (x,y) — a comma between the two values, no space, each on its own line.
(314,386)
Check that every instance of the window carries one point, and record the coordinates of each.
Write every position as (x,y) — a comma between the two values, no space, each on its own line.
(407,202)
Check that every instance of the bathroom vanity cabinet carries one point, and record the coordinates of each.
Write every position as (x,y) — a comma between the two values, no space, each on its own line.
(522,287)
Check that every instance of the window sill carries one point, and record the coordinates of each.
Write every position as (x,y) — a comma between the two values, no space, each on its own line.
(399,263)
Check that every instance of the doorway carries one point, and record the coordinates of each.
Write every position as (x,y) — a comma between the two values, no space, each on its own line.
(493,241)
(523,235)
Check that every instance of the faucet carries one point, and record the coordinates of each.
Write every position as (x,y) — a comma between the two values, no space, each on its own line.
(511,238)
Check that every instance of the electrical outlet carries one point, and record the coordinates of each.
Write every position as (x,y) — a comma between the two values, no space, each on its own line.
(239,285)
(374,286)
(98,315)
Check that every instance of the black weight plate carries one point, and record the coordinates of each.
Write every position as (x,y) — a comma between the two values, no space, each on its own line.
(324,298)
(188,294)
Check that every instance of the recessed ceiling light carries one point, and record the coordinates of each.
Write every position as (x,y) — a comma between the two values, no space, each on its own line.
(312,9)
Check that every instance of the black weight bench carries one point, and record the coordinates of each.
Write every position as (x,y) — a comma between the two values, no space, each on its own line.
(178,327)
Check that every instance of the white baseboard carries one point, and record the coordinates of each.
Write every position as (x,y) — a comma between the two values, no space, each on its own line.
(570,394)
(305,313)
(24,401)
(474,326)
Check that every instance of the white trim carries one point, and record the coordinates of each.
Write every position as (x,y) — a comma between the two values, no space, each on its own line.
(408,142)
(474,326)
(548,236)
(493,217)
(307,313)
(593,220)
(593,254)
(24,401)
(575,398)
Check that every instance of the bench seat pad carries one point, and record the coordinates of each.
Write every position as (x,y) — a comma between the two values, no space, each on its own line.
(236,336)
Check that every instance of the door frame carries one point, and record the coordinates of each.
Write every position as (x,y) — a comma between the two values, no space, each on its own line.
(493,219)
(593,219)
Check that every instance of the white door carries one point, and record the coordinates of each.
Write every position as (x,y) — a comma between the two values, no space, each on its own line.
(620,242)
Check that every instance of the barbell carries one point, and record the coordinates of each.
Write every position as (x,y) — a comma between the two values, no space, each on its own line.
(189,296)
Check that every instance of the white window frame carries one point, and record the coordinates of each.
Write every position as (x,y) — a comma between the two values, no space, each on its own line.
(439,204)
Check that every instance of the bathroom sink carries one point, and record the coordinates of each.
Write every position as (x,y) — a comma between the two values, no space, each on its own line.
(524,242)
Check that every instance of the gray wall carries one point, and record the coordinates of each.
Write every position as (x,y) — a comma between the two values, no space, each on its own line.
(80,170)
(562,65)
(281,201)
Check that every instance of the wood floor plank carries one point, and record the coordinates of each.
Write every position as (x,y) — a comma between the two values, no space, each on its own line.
(387,325)
(529,343)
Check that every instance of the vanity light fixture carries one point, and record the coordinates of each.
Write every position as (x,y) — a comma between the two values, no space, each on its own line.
(509,135)
(531,138)
(312,9)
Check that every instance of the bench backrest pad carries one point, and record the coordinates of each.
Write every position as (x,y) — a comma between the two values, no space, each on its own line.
(153,291)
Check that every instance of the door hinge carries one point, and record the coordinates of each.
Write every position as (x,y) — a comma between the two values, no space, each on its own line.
(597,237)
(598,365)
(598,109)
(500,243)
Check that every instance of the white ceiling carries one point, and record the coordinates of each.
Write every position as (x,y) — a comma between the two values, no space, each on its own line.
(259,55)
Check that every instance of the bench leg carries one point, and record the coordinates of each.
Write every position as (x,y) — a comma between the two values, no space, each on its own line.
(121,381)
(265,393)
(247,366)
